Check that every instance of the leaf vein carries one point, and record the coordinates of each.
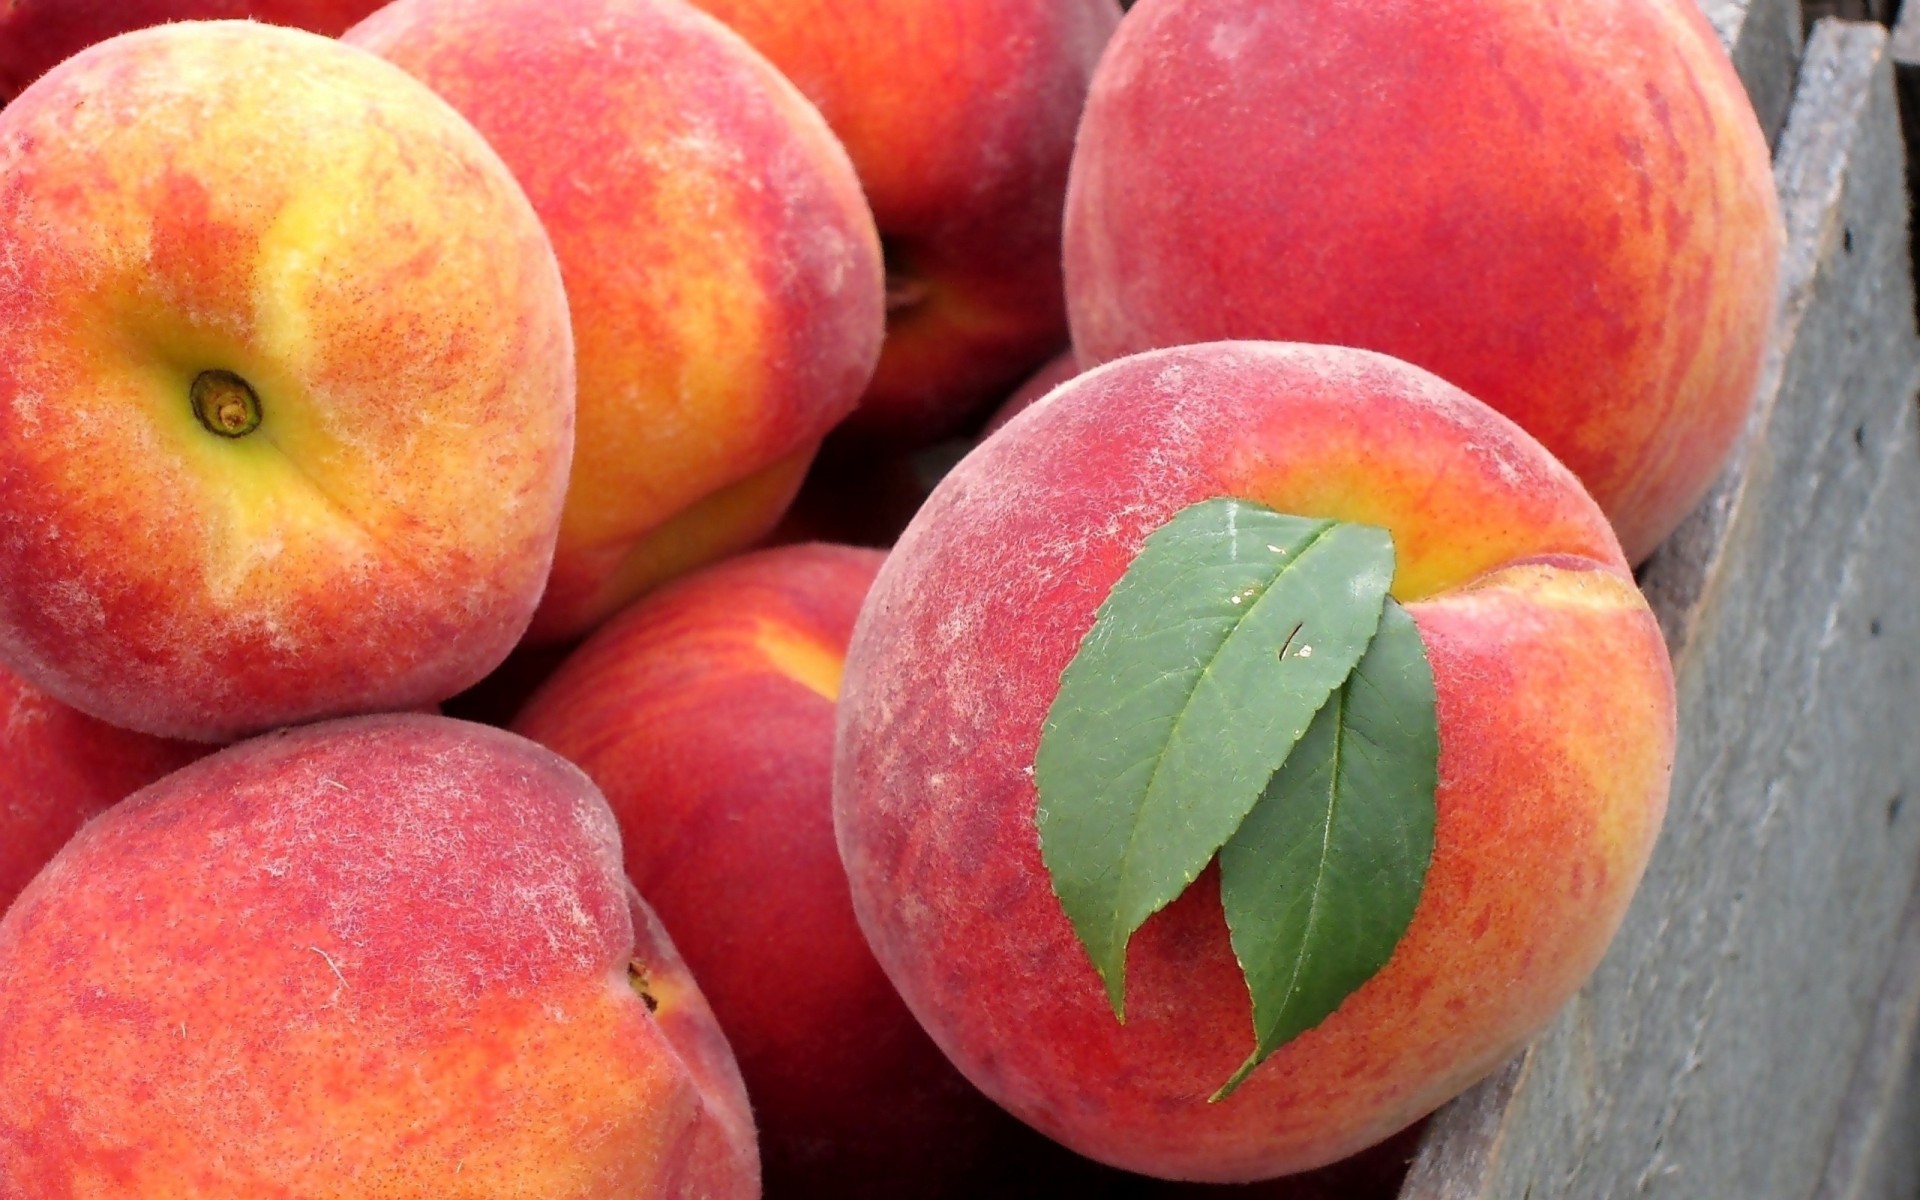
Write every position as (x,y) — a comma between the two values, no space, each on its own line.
(1133,834)
(1326,848)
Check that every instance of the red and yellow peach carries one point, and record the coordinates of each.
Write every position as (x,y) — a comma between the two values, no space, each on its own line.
(722,267)
(286,396)
(1567,210)
(1556,724)
(705,714)
(385,956)
(960,117)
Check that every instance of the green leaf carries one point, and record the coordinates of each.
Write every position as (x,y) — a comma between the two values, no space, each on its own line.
(1204,666)
(1322,878)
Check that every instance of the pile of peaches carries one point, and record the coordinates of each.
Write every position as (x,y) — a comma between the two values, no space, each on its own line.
(450,747)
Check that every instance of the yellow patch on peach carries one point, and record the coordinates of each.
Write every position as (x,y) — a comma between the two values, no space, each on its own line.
(674,409)
(1442,495)
(722,521)
(807,660)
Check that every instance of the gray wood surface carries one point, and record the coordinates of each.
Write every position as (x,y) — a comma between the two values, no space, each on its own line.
(1714,1050)
(1906,34)
(1764,39)
(1852,10)
(1876,1149)
(1906,76)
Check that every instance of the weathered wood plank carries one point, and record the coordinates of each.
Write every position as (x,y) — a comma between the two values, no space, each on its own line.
(1876,1150)
(1906,76)
(1764,39)
(1906,34)
(1851,10)
(1710,1054)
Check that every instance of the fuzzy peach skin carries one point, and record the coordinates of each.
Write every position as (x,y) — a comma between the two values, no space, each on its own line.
(723,268)
(234,197)
(1556,724)
(36,34)
(59,767)
(1059,369)
(386,956)
(705,714)
(1565,209)
(960,116)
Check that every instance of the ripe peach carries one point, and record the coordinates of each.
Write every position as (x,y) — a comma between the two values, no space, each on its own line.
(286,396)
(384,956)
(722,266)
(1556,724)
(58,767)
(1567,210)
(36,34)
(960,116)
(705,714)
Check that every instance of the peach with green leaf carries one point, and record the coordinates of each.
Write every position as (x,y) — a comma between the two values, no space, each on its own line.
(1245,751)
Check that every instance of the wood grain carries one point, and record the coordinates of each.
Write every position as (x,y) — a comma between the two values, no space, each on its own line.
(1876,1147)
(1764,39)
(1852,10)
(1713,1052)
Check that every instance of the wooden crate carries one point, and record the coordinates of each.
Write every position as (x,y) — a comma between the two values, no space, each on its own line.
(1764,38)
(1751,1031)
(1852,10)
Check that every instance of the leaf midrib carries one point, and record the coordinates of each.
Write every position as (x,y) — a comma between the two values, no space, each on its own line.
(1326,842)
(1133,833)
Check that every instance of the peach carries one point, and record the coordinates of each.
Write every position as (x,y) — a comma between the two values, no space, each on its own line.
(705,714)
(1556,732)
(960,116)
(384,956)
(58,767)
(286,397)
(1567,210)
(36,34)
(723,268)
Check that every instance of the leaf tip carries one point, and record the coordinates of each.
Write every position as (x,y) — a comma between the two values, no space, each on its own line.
(1116,985)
